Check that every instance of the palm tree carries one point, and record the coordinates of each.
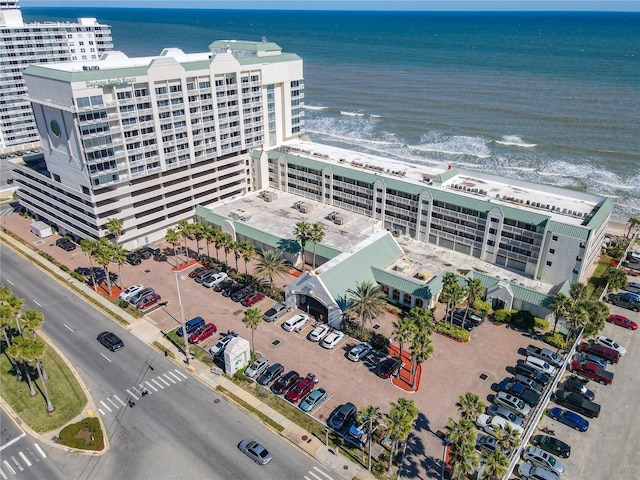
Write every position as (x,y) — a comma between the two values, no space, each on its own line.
(616,278)
(270,264)
(367,301)
(495,464)
(6,319)
(508,437)
(470,406)
(198,233)
(577,318)
(370,414)
(120,257)
(421,351)
(578,292)
(185,230)
(632,222)
(247,251)
(226,243)
(32,320)
(597,312)
(15,303)
(236,248)
(88,247)
(114,226)
(316,236)
(561,305)
(403,332)
(210,233)
(401,418)
(302,233)
(462,438)
(475,292)
(252,319)
(173,237)
(18,351)
(422,318)
(103,255)
(452,293)
(34,351)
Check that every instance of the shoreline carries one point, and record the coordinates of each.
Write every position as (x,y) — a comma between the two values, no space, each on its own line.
(617,228)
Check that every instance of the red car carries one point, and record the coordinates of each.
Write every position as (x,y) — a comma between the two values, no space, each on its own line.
(203,333)
(301,388)
(592,371)
(197,272)
(148,301)
(622,321)
(631,272)
(253,299)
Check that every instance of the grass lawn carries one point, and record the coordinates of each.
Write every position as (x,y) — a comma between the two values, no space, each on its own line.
(65,393)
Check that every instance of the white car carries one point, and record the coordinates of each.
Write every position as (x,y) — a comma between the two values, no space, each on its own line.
(541,365)
(539,457)
(295,323)
(356,353)
(332,339)
(611,343)
(500,411)
(214,279)
(319,332)
(492,424)
(221,345)
(513,403)
(534,472)
(257,367)
(130,292)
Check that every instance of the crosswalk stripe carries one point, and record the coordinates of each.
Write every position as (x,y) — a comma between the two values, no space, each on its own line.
(6,464)
(33,455)
(101,412)
(175,376)
(105,406)
(180,373)
(132,394)
(317,477)
(320,471)
(113,403)
(163,381)
(40,450)
(118,398)
(158,384)
(4,476)
(24,457)
(151,386)
(169,378)
(17,463)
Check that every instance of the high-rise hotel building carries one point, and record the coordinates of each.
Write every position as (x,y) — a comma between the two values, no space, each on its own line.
(147,139)
(22,44)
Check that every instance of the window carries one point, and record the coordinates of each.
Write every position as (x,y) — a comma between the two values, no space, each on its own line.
(493,231)
(552,251)
(549,264)
(495,220)
(554,238)
(491,243)
(579,258)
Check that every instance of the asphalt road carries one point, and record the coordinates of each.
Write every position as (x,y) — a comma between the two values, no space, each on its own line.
(181,429)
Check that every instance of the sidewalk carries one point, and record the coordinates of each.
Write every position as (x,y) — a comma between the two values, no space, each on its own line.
(148,333)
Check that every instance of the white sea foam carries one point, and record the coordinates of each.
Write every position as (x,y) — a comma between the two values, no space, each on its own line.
(436,142)
(314,107)
(515,141)
(351,114)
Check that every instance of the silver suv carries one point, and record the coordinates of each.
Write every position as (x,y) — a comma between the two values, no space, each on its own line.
(276,312)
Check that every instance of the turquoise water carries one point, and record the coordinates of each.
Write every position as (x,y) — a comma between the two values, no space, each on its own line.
(546,97)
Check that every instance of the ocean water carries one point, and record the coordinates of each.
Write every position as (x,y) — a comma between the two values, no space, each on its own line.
(546,97)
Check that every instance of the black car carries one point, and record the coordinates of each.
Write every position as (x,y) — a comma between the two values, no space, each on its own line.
(460,321)
(197,271)
(231,289)
(530,372)
(222,285)
(240,294)
(552,445)
(144,253)
(65,244)
(111,341)
(388,368)
(134,259)
(285,382)
(202,276)
(472,317)
(577,384)
(270,374)
(341,416)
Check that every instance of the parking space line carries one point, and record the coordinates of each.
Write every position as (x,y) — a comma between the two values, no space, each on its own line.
(6,464)
(105,405)
(4,476)
(158,384)
(17,463)
(14,440)
(163,381)
(133,395)
(118,398)
(24,457)
(39,450)
(151,386)
(175,376)
(115,405)
(180,373)
(169,378)
(101,412)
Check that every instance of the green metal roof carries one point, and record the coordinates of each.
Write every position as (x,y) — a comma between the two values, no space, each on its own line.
(573,231)
(401,283)
(525,294)
(604,210)
(446,175)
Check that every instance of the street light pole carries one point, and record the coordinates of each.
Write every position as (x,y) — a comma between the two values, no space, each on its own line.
(184,326)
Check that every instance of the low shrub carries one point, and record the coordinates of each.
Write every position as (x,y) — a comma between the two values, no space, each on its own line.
(84,435)
(502,316)
(452,331)
(542,324)
(123,304)
(65,269)
(483,308)
(78,276)
(555,340)
(523,319)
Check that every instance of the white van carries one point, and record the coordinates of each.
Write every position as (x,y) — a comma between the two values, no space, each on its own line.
(295,323)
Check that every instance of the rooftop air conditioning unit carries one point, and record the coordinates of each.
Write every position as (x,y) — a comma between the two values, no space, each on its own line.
(302,208)
(268,196)
(338,220)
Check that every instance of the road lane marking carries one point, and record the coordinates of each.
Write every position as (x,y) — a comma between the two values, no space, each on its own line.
(40,450)
(158,384)
(12,441)
(9,281)
(6,464)
(106,357)
(68,327)
(105,406)
(180,373)
(118,398)
(163,381)
(24,457)
(101,412)
(4,476)
(169,378)
(113,403)
(37,303)
(175,376)
(321,472)
(150,386)
(17,463)
(132,394)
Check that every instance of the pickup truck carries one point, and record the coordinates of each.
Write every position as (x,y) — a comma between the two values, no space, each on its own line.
(592,371)
(545,354)
(577,403)
(525,394)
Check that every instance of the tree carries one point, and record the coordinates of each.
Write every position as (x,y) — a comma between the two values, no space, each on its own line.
(114,226)
(616,278)
(462,454)
(209,235)
(185,230)
(34,351)
(367,301)
(225,242)
(247,251)
(507,437)
(6,319)
(15,303)
(495,464)
(103,255)
(18,351)
(422,318)
(475,292)
(578,292)
(302,233)
(236,247)
(421,351)
(404,330)
(370,414)
(470,406)
(198,233)
(452,293)
(252,319)
(270,264)
(597,313)
(173,237)
(32,320)
(316,236)
(577,318)
(120,257)
(400,418)
(633,222)
(88,247)
(561,306)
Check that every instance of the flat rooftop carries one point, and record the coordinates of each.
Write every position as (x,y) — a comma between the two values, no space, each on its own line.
(570,207)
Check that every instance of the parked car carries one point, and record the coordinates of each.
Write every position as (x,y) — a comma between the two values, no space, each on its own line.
(460,321)
(535,472)
(587,357)
(500,411)
(295,323)
(214,279)
(341,416)
(222,285)
(239,295)
(191,325)
(520,391)
(218,348)
(471,316)
(133,259)
(232,289)
(569,418)
(270,374)
(633,287)
(537,456)
(196,271)
(489,444)
(252,299)
(313,399)
(257,367)
(492,424)
(203,333)
(148,301)
(255,451)
(204,274)
(331,340)
(552,445)
(358,352)
(136,297)
(622,321)
(302,387)
(533,373)
(65,244)
(621,300)
(513,403)
(319,332)
(528,382)
(285,382)
(604,353)
(592,371)
(577,403)
(541,365)
(389,367)
(552,358)
(611,343)
(111,341)
(130,292)
(276,312)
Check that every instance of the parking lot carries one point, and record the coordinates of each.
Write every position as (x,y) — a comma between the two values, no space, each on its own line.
(454,369)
